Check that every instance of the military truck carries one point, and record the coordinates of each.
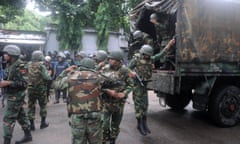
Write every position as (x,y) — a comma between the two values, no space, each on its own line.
(207,55)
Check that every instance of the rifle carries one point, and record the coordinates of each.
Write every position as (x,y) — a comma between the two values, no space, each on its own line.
(138,77)
(1,69)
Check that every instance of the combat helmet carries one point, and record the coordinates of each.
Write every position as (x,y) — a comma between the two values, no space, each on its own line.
(61,54)
(147,50)
(12,50)
(87,63)
(37,55)
(137,34)
(101,55)
(118,55)
(82,54)
(47,58)
(153,16)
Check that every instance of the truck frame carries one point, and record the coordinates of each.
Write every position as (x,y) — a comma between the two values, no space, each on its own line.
(207,59)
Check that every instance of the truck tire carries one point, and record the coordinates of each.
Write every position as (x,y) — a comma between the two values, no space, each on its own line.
(224,106)
(178,101)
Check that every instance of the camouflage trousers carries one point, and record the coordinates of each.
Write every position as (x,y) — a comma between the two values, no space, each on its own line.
(14,112)
(37,94)
(86,128)
(112,117)
(140,98)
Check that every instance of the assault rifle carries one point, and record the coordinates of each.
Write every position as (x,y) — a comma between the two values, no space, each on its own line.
(1,69)
(138,77)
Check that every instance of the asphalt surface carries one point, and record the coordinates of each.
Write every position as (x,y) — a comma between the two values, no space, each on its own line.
(167,126)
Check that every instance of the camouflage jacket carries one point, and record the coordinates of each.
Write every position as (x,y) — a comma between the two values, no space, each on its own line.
(37,74)
(84,90)
(17,74)
(119,75)
(143,67)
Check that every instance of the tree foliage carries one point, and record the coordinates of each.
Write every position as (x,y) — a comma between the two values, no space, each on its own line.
(28,21)
(9,9)
(73,15)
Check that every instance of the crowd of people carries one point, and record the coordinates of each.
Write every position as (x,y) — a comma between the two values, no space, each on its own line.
(94,89)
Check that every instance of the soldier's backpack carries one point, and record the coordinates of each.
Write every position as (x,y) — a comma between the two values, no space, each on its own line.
(83,92)
(34,73)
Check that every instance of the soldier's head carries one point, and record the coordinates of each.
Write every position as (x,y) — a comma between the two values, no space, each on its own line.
(101,56)
(61,57)
(11,53)
(154,18)
(37,55)
(49,53)
(47,58)
(115,58)
(146,51)
(87,63)
(80,55)
(67,53)
(137,34)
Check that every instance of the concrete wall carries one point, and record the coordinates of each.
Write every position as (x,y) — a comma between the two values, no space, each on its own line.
(116,41)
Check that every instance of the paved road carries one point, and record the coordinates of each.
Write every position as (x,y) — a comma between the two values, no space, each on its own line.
(167,126)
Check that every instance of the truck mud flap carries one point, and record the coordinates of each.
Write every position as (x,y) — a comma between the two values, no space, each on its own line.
(162,81)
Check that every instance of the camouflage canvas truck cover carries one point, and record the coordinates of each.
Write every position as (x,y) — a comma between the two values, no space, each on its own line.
(207,59)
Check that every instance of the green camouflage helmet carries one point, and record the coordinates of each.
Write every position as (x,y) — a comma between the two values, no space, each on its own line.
(118,55)
(153,16)
(147,50)
(37,55)
(101,55)
(87,63)
(12,50)
(81,54)
(137,34)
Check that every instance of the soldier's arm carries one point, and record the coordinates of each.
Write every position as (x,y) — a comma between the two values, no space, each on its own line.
(45,73)
(132,63)
(20,78)
(163,51)
(129,80)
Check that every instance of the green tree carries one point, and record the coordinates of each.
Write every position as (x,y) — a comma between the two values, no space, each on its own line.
(73,15)
(28,21)
(9,9)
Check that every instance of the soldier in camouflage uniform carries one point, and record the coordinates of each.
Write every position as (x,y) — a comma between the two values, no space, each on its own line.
(15,85)
(68,58)
(78,57)
(100,59)
(136,43)
(84,102)
(113,108)
(142,65)
(162,37)
(37,88)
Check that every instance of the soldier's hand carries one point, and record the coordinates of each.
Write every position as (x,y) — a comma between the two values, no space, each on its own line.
(4,83)
(101,64)
(110,92)
(121,95)
(171,43)
(132,74)
(71,68)
(115,94)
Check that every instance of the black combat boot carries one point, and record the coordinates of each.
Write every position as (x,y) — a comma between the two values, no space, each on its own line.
(112,141)
(43,123)
(140,126)
(27,137)
(32,125)
(7,140)
(145,126)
